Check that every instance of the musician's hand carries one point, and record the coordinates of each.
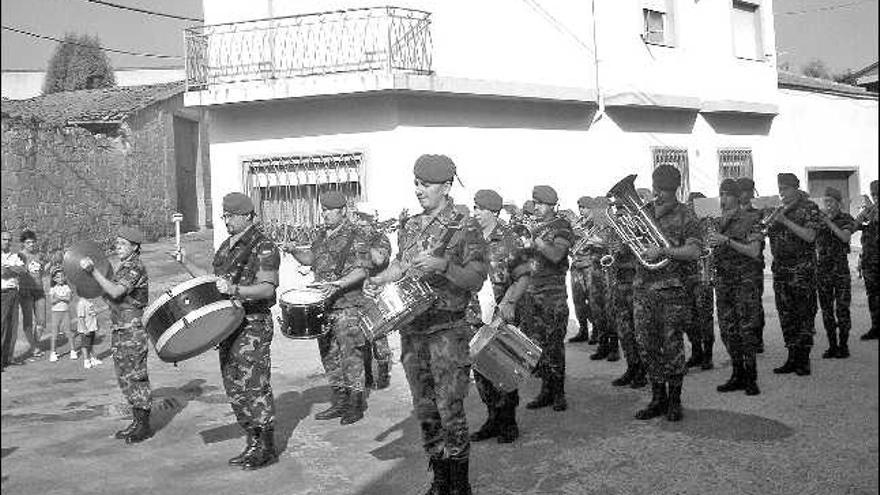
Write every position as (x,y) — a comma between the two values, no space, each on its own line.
(289,247)
(327,288)
(540,243)
(430,264)
(781,219)
(716,239)
(652,253)
(371,288)
(87,264)
(506,311)
(224,286)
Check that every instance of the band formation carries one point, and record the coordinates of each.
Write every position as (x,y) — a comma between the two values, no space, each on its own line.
(645,271)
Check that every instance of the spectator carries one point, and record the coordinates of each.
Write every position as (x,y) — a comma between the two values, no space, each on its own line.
(32,294)
(12,268)
(87,327)
(60,295)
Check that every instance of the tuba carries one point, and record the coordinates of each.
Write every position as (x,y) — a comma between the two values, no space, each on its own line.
(626,214)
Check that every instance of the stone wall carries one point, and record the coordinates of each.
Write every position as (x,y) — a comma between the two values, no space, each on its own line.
(68,184)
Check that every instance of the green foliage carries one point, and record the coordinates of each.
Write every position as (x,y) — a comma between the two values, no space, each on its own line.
(78,63)
(817,68)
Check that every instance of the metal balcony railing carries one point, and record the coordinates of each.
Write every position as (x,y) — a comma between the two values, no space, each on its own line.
(370,39)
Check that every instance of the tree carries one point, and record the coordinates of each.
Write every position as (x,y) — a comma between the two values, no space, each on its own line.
(817,68)
(78,63)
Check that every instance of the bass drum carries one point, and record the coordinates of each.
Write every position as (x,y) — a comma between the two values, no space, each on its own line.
(190,318)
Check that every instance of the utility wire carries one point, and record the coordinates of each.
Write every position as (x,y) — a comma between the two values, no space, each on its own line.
(823,9)
(113,50)
(144,11)
(534,5)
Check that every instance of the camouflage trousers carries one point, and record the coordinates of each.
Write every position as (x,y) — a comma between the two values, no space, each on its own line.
(438,367)
(622,312)
(545,320)
(835,296)
(246,365)
(381,350)
(580,297)
(659,316)
(702,327)
(342,350)
(600,304)
(739,300)
(796,304)
(761,317)
(871,274)
(129,346)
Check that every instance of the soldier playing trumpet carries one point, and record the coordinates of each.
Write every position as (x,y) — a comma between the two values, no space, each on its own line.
(869,261)
(580,265)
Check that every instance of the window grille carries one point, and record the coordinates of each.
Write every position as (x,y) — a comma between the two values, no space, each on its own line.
(734,163)
(655,23)
(678,158)
(286,189)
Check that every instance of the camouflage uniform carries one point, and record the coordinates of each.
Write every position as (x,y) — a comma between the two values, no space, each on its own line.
(794,276)
(379,242)
(834,281)
(245,357)
(738,286)
(701,331)
(434,346)
(545,307)
(661,306)
(337,251)
(600,300)
(759,329)
(870,266)
(129,339)
(622,273)
(581,264)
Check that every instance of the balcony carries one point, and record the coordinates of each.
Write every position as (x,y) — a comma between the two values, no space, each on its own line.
(380,39)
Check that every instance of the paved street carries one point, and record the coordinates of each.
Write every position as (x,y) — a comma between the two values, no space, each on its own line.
(802,435)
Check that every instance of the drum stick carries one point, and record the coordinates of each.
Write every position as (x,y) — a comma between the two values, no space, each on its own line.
(177,218)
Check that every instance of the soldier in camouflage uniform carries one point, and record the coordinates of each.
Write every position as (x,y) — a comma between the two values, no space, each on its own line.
(623,271)
(739,273)
(340,259)
(661,303)
(580,269)
(792,232)
(449,253)
(746,194)
(832,271)
(701,332)
(509,276)
(545,304)
(598,281)
(126,293)
(247,266)
(869,262)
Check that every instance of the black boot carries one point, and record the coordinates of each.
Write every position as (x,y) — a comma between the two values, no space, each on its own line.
(337,405)
(142,429)
(625,379)
(263,453)
(831,352)
(602,351)
(802,366)
(440,481)
(354,408)
(639,379)
(750,375)
(121,434)
(842,345)
(544,398)
(706,362)
(658,404)
(673,413)
(368,367)
(559,402)
(594,338)
(788,366)
(696,354)
(508,431)
(489,428)
(384,378)
(459,484)
(613,349)
(871,334)
(250,445)
(736,381)
(583,335)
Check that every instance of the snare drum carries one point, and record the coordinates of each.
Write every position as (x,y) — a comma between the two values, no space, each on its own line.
(303,313)
(504,355)
(190,318)
(397,304)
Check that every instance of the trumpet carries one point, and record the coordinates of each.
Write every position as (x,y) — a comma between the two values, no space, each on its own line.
(626,214)
(771,217)
(866,212)
(707,267)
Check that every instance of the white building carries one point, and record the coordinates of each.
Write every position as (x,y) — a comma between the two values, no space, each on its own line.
(574,94)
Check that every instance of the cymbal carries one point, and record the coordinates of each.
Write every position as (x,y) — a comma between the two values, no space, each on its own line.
(85,284)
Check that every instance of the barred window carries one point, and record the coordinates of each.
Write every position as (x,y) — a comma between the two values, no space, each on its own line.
(286,189)
(734,163)
(678,158)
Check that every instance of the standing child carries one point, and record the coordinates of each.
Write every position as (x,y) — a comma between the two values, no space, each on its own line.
(59,297)
(86,327)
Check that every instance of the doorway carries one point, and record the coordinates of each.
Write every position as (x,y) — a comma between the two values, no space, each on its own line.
(844,180)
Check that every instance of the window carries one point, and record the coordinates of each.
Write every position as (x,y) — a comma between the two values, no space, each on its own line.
(286,189)
(734,163)
(678,158)
(657,22)
(747,30)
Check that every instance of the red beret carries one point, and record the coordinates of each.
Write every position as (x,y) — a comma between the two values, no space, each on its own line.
(332,200)
(238,203)
(489,200)
(584,201)
(544,194)
(788,179)
(666,178)
(833,193)
(131,234)
(730,187)
(434,169)
(529,207)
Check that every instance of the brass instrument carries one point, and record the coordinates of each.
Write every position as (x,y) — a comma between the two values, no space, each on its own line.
(771,217)
(626,214)
(867,211)
(706,264)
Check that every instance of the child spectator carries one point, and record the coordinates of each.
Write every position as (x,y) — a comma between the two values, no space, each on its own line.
(60,295)
(86,327)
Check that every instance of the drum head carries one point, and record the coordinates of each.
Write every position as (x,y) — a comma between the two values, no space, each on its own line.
(302,297)
(86,285)
(207,327)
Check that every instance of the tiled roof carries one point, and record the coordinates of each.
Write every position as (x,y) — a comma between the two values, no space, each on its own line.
(801,82)
(90,105)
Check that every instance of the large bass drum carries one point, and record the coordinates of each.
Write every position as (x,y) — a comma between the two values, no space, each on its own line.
(190,318)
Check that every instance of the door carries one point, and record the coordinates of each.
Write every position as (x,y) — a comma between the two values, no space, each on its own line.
(186,142)
(818,180)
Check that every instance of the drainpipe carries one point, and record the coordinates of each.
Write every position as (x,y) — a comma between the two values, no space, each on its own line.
(600,99)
